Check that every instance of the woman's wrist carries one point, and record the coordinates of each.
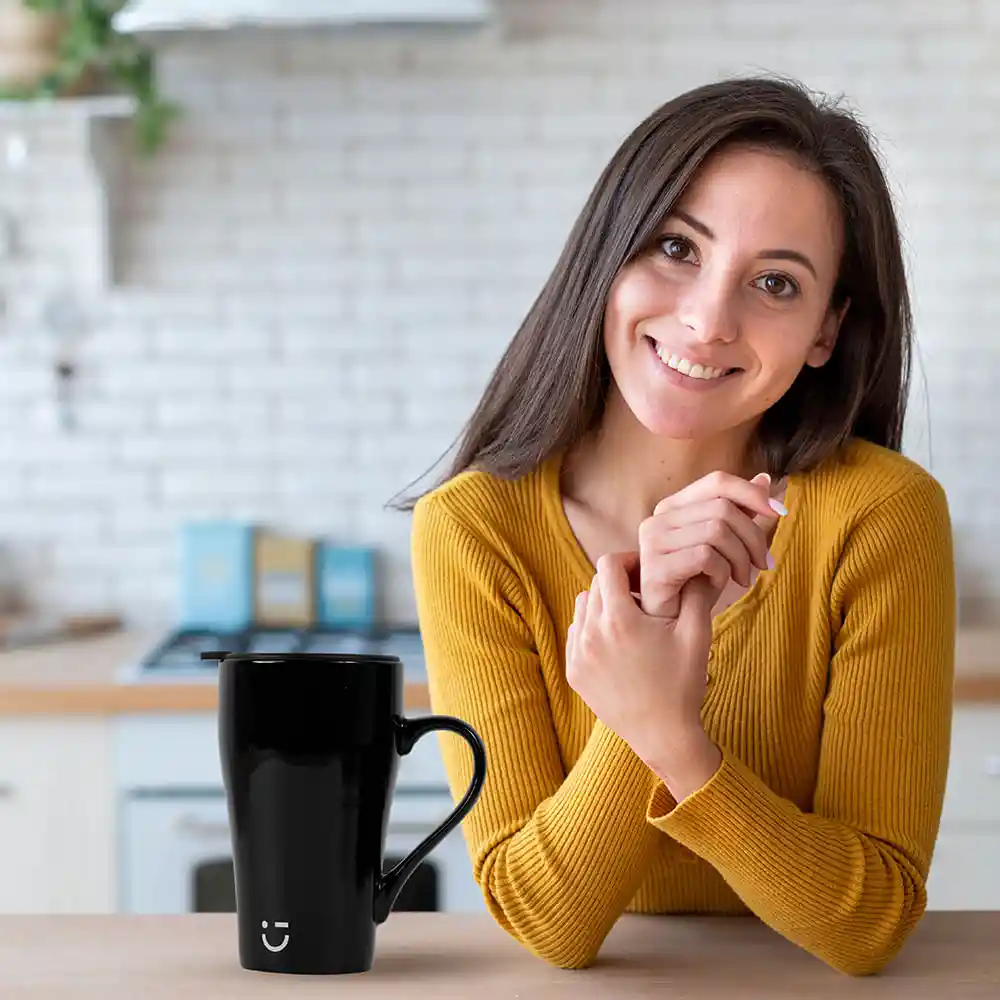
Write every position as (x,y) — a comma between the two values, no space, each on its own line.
(685,763)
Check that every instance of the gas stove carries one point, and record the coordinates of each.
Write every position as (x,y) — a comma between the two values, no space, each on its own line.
(177,657)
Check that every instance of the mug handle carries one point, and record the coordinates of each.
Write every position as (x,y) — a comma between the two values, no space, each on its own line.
(408,731)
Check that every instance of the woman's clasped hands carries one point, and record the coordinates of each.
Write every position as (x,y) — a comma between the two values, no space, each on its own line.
(639,660)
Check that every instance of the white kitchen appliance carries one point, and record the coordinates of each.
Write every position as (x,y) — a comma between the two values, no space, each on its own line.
(175,852)
(174,835)
(199,15)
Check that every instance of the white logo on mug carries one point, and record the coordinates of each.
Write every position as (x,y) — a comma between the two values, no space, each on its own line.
(267,944)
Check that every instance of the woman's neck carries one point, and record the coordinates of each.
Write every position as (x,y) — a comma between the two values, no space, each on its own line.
(622,470)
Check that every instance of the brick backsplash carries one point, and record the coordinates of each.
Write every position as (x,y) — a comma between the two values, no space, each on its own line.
(318,272)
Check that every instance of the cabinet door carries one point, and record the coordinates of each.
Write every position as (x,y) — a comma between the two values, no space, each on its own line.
(23,877)
(57,832)
(167,840)
(965,872)
(973,794)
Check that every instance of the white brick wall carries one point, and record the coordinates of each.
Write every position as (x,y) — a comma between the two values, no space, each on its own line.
(320,270)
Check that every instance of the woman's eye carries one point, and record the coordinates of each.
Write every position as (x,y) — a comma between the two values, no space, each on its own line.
(676,248)
(777,286)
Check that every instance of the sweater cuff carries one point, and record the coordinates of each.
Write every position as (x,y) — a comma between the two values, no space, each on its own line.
(721,821)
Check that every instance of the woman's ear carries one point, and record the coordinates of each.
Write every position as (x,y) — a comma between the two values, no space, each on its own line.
(826,339)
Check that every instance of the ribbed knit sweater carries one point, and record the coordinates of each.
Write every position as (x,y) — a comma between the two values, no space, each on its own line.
(829,694)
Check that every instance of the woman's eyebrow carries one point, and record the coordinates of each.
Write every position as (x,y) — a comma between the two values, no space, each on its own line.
(694,223)
(799,258)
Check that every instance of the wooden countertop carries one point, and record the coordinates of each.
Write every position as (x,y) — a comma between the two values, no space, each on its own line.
(83,676)
(445,956)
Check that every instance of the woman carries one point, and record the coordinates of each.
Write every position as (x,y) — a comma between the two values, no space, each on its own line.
(679,577)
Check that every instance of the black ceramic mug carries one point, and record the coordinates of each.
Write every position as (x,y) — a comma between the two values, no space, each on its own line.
(309,746)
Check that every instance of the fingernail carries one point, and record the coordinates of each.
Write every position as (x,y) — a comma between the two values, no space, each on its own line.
(777,506)
(770,560)
(763,478)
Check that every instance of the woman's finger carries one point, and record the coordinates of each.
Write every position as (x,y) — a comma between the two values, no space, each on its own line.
(660,532)
(704,560)
(699,560)
(730,544)
(751,495)
(595,602)
(613,581)
(669,575)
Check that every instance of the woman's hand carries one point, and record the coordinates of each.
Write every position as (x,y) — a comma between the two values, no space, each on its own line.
(716,528)
(645,677)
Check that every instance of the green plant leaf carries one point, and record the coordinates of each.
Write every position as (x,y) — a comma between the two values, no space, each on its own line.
(46,6)
(151,122)
(90,43)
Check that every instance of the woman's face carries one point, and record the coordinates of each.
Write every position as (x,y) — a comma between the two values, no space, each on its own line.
(711,326)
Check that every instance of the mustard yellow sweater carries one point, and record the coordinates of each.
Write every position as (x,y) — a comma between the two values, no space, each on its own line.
(830,695)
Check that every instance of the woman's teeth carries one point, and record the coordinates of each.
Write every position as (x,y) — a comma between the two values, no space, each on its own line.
(685,367)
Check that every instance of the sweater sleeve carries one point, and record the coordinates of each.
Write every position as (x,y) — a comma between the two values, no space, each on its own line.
(557,855)
(847,881)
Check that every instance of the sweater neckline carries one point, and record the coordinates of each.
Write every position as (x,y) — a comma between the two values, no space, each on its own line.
(585,569)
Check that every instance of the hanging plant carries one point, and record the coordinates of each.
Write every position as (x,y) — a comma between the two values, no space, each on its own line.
(91,52)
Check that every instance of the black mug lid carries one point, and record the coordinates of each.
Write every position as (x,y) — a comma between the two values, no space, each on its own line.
(373,658)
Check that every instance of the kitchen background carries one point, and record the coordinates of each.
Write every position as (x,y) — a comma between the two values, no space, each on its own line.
(284,315)
(315,275)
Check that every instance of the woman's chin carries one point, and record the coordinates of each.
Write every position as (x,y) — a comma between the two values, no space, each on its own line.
(679,426)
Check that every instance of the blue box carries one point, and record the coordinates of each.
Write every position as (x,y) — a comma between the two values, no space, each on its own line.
(216,575)
(345,586)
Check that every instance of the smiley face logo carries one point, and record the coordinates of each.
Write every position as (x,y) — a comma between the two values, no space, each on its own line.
(267,944)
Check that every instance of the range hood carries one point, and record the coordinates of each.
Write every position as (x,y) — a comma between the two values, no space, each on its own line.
(203,15)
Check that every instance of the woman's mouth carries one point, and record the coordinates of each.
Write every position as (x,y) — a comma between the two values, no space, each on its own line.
(690,369)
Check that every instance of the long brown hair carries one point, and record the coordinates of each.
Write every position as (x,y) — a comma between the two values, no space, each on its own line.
(548,389)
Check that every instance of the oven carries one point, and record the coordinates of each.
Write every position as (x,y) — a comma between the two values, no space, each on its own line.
(178,856)
(175,853)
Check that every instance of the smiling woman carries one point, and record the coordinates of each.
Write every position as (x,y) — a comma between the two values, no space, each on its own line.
(705,300)
(679,576)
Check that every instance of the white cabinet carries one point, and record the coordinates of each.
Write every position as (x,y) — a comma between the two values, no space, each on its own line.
(60,776)
(973,795)
(57,829)
(965,872)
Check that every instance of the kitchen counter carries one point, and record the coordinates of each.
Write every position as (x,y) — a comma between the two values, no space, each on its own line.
(950,954)
(80,676)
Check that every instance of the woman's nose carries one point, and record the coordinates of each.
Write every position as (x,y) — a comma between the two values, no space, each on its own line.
(706,309)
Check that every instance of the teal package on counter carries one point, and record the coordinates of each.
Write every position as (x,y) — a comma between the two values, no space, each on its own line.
(345,584)
(216,575)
